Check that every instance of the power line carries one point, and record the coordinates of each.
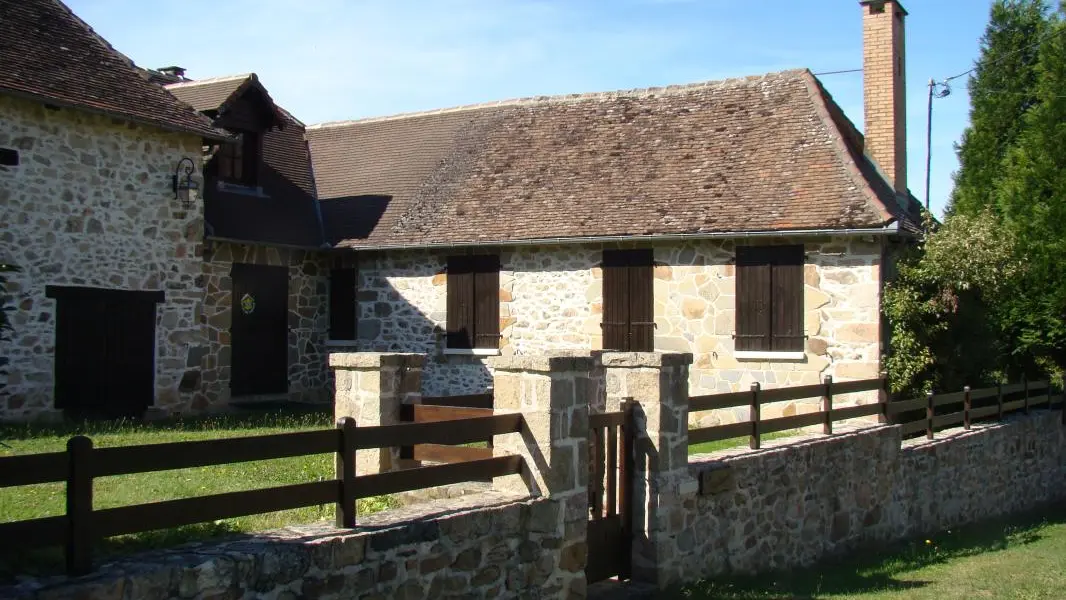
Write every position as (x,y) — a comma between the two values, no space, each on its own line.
(839,72)
(1043,39)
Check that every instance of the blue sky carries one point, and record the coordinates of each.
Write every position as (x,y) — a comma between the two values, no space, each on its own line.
(330,60)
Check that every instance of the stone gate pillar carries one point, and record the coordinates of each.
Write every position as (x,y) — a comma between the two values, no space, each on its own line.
(658,384)
(371,387)
(552,394)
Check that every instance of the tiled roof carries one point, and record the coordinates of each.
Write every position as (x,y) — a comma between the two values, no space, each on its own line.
(208,94)
(47,53)
(756,154)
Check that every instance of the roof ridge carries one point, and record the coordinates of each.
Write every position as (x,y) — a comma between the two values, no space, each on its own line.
(578,97)
(195,82)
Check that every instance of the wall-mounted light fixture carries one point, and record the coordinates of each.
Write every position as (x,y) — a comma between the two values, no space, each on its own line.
(183,182)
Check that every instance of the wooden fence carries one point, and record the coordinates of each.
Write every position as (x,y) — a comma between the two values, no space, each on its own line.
(434,409)
(81,463)
(756,398)
(983,404)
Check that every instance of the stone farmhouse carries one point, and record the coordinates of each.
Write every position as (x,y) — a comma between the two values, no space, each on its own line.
(746,221)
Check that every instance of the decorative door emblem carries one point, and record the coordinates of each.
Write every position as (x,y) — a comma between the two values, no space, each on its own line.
(247,304)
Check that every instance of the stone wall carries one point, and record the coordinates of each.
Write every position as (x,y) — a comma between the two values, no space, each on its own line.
(91,204)
(308,322)
(800,500)
(552,300)
(489,546)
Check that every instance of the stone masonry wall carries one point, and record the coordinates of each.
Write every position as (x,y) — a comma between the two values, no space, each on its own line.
(91,204)
(308,322)
(551,300)
(488,546)
(799,500)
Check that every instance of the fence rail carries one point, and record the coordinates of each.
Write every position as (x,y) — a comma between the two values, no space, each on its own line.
(81,463)
(981,404)
(435,409)
(757,397)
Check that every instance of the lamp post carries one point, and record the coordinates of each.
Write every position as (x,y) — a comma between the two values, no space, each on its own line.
(936,90)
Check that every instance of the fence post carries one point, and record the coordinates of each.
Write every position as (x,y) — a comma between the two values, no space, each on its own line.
(929,416)
(999,401)
(1062,402)
(626,469)
(883,397)
(1025,388)
(827,406)
(346,472)
(966,406)
(755,440)
(79,505)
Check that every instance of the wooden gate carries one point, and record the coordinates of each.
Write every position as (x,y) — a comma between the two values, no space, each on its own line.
(610,494)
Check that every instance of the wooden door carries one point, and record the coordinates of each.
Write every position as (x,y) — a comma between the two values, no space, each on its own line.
(259,332)
(104,351)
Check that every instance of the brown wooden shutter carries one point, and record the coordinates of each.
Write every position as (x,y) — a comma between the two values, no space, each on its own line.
(486,301)
(753,299)
(343,309)
(460,324)
(615,301)
(251,152)
(787,297)
(641,301)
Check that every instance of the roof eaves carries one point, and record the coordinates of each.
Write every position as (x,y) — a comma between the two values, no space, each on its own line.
(818,99)
(208,132)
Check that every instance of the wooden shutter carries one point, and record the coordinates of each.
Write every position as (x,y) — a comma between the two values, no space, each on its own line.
(343,309)
(615,301)
(460,315)
(641,301)
(251,152)
(753,299)
(486,301)
(787,298)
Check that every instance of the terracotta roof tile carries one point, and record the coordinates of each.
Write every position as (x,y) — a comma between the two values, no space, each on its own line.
(48,53)
(207,94)
(754,154)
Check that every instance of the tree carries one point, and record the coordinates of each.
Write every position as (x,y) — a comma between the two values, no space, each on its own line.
(1031,197)
(1002,91)
(941,306)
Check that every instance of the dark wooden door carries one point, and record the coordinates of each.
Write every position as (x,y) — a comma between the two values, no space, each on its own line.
(104,351)
(260,330)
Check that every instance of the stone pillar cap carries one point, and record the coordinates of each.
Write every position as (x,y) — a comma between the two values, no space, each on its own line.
(371,360)
(608,358)
(546,363)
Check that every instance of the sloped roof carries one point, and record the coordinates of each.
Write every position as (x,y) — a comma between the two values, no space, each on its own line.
(742,155)
(47,53)
(216,94)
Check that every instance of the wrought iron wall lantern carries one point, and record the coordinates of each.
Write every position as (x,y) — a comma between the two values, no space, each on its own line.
(183,182)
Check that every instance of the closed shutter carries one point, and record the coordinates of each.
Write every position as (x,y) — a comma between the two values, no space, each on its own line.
(615,301)
(460,315)
(753,299)
(787,298)
(641,301)
(343,318)
(486,301)
(628,301)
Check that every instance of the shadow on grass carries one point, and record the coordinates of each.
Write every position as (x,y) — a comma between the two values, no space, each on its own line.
(878,569)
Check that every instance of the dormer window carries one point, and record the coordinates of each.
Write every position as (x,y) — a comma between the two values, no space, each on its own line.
(238,161)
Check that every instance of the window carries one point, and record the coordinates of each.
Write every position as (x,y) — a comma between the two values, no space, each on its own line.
(238,162)
(628,303)
(343,315)
(473,302)
(9,157)
(769,299)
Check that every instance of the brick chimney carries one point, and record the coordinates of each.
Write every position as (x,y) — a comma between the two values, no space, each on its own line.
(884,88)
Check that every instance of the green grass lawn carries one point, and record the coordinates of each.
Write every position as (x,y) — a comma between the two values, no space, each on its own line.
(708,447)
(1022,557)
(28,502)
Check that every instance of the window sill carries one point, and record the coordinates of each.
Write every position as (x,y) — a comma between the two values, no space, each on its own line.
(341,343)
(771,356)
(471,352)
